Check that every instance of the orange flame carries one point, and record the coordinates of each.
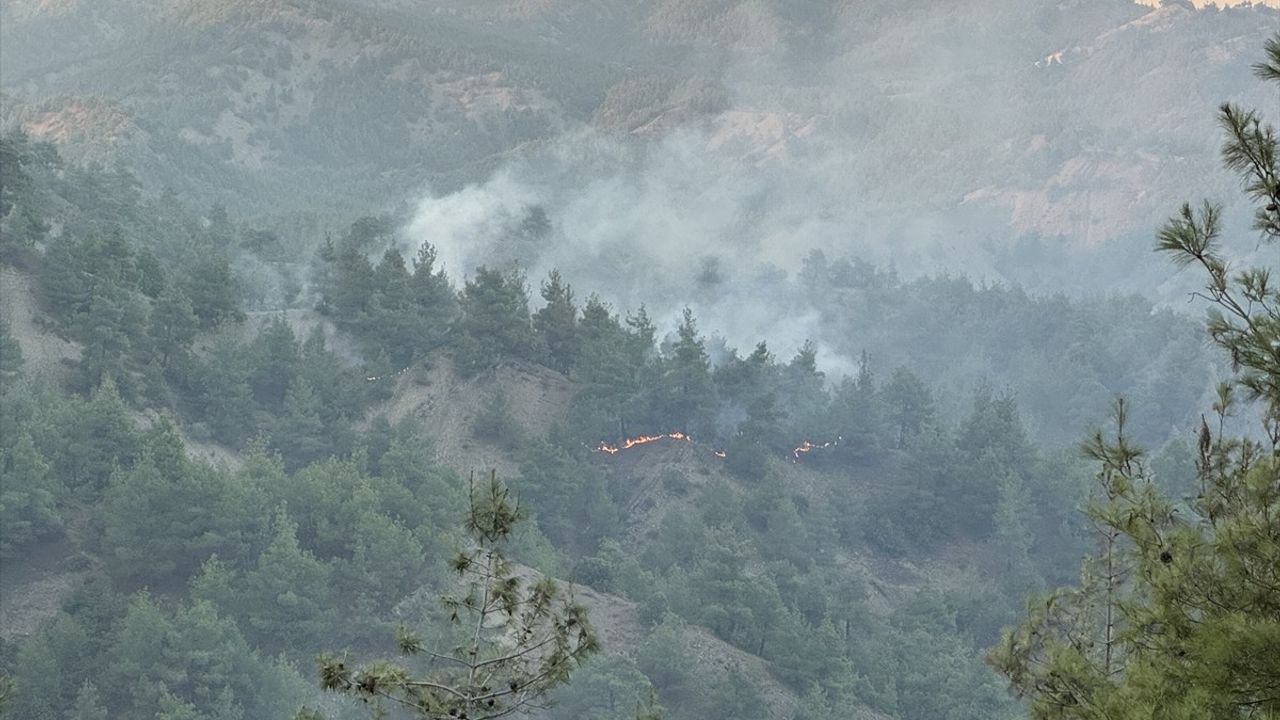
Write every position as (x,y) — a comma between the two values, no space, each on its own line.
(808,447)
(627,444)
(604,446)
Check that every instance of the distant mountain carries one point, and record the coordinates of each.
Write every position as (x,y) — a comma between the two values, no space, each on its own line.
(1073,122)
(267,102)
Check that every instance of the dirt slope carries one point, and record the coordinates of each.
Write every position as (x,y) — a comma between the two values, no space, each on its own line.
(447,405)
(44,354)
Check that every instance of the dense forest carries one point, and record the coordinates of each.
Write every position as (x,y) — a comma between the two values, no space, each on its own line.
(243,461)
(337,508)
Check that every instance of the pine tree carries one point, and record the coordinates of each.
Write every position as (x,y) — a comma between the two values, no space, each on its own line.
(100,437)
(65,285)
(14,156)
(10,355)
(435,304)
(908,405)
(114,321)
(276,361)
(664,656)
(517,640)
(557,323)
(495,322)
(223,392)
(212,290)
(387,562)
(1178,613)
(804,391)
(734,695)
(29,496)
(50,668)
(173,325)
(393,321)
(88,704)
(687,378)
(300,433)
(166,514)
(353,286)
(285,596)
(1013,536)
(612,368)
(855,416)
(612,689)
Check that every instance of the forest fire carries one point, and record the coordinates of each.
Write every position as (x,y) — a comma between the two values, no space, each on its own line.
(376,378)
(609,448)
(808,447)
(627,444)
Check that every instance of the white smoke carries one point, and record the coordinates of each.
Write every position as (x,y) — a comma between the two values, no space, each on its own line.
(676,224)
(912,145)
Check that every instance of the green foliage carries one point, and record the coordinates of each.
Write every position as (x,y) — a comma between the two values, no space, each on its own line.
(98,437)
(166,514)
(108,330)
(21,224)
(28,497)
(664,656)
(1066,360)
(276,364)
(300,433)
(212,290)
(387,561)
(573,504)
(434,300)
(909,407)
(105,657)
(495,424)
(556,323)
(51,668)
(1174,611)
(769,557)
(494,324)
(173,326)
(298,394)
(287,593)
(398,313)
(735,696)
(10,355)
(1177,614)
(519,639)
(609,689)
(686,388)
(1013,536)
(16,181)
(88,704)
(613,364)
(196,659)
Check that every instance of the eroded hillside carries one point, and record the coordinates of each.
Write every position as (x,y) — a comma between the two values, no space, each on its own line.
(1071,129)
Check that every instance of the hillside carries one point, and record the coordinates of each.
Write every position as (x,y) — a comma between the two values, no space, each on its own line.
(445,406)
(1065,141)
(436,397)
(45,354)
(362,356)
(654,485)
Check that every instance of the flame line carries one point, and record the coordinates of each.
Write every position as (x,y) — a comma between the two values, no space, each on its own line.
(608,448)
(375,378)
(807,446)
